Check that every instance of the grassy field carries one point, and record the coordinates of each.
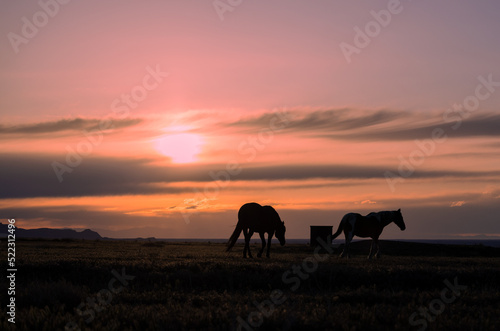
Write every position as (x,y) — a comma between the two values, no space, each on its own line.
(129,285)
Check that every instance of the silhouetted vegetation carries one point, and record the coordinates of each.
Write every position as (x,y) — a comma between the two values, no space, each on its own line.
(200,286)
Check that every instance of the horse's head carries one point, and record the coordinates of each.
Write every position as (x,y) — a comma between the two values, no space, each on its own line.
(398,219)
(279,227)
(280,233)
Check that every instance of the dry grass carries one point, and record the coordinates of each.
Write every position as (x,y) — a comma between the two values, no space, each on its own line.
(199,286)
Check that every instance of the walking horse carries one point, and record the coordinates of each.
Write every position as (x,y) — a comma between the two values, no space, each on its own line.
(371,226)
(253,217)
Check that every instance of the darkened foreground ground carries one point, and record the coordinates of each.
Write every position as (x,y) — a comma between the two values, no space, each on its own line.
(115,285)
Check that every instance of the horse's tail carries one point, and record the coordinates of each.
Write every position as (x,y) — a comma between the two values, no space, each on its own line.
(341,226)
(234,236)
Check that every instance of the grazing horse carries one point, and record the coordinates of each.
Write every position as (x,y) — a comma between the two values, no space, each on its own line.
(370,225)
(253,217)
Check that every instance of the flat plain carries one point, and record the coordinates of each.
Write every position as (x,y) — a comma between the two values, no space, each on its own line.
(140,285)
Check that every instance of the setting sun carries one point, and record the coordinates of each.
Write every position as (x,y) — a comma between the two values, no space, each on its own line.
(180,147)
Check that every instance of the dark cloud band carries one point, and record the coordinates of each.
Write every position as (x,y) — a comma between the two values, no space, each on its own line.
(25,176)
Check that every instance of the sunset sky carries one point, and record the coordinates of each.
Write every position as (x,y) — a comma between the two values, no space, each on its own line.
(161,118)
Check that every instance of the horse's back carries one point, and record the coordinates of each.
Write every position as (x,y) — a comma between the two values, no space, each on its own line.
(250,210)
(383,217)
(270,212)
(258,218)
(351,216)
(368,226)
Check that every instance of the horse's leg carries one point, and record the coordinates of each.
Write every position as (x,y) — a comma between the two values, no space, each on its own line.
(377,255)
(247,240)
(261,234)
(372,251)
(344,251)
(250,234)
(269,244)
(348,241)
(348,238)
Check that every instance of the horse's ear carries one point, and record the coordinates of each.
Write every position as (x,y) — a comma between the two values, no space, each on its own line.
(399,210)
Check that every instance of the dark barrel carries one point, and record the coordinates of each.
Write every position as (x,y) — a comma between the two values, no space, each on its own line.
(321,231)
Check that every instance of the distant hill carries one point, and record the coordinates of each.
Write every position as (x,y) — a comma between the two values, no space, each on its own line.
(46,233)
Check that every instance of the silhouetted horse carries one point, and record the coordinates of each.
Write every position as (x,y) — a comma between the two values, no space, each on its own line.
(370,225)
(253,217)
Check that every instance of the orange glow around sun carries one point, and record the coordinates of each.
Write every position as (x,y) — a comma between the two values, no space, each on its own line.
(180,147)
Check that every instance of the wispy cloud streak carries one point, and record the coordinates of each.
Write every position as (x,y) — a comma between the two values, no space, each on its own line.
(75,124)
(378,125)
